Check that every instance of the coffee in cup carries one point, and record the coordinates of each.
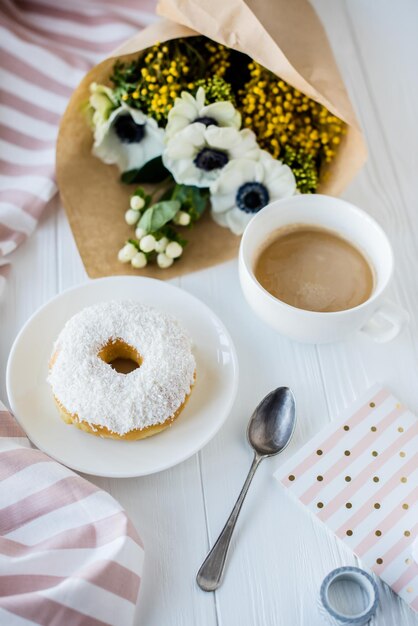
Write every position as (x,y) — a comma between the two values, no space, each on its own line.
(315,269)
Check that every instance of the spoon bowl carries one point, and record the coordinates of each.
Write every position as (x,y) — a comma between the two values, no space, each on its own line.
(273,422)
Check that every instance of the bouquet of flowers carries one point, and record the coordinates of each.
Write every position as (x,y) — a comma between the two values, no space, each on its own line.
(195,125)
(205,122)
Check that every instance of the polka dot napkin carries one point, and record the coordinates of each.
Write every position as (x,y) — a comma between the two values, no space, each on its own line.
(359,476)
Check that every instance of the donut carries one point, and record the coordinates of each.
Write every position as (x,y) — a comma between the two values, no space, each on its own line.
(92,395)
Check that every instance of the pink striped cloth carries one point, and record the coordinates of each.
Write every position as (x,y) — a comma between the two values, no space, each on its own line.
(45,49)
(69,555)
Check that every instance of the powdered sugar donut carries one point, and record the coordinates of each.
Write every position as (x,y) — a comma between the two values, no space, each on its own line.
(95,397)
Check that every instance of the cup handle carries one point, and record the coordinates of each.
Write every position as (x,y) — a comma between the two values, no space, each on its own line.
(386,322)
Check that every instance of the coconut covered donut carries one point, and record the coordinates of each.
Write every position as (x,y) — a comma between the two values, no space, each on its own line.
(93,396)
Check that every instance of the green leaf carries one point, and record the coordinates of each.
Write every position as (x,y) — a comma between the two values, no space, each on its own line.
(158,214)
(192,199)
(129,177)
(152,172)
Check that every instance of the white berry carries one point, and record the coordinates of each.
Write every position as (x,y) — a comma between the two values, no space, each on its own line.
(147,243)
(161,244)
(173,250)
(139,260)
(127,253)
(131,217)
(140,232)
(164,261)
(182,218)
(137,203)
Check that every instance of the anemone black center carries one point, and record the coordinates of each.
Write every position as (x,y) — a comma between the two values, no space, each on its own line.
(207,121)
(209,159)
(251,197)
(128,130)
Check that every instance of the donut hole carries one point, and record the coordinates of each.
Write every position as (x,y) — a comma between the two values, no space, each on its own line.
(121,357)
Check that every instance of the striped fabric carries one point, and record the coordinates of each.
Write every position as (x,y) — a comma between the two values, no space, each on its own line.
(359,476)
(68,553)
(45,49)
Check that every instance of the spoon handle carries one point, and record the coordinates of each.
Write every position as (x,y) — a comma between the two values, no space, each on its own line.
(209,577)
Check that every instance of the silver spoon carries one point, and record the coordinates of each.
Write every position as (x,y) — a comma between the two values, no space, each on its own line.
(269,431)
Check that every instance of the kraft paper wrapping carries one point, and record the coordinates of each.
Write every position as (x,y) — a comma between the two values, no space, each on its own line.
(286,37)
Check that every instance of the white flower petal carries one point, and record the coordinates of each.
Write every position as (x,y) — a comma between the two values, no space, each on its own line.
(246,147)
(259,173)
(152,147)
(222,203)
(267,160)
(237,220)
(237,143)
(233,175)
(200,98)
(176,125)
(138,116)
(185,111)
(220,219)
(108,151)
(278,177)
(132,155)
(207,178)
(284,186)
(177,166)
(194,133)
(180,150)
(186,143)
(185,172)
(222,138)
(223,112)
(238,172)
(102,129)
(188,99)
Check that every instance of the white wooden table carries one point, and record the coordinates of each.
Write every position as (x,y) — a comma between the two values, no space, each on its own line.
(280,554)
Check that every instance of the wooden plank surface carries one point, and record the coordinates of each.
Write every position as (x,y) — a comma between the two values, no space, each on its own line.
(279,555)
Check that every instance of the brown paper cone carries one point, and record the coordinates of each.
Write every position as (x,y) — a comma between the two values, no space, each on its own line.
(286,37)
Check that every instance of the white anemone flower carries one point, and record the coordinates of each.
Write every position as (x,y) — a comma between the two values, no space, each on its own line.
(245,186)
(128,139)
(188,109)
(197,154)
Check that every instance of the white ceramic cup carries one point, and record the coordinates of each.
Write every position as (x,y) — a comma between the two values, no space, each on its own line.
(377,317)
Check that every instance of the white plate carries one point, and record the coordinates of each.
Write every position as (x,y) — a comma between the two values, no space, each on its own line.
(32,403)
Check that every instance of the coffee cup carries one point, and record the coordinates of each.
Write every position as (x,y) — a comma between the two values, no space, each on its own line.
(379,318)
